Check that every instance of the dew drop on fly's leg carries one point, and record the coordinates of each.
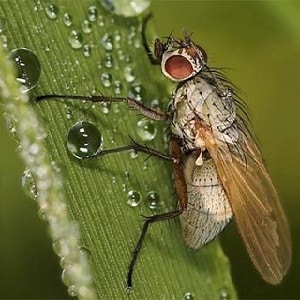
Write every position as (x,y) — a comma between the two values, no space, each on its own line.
(84,140)
(146,129)
(125,8)
(134,198)
(28,67)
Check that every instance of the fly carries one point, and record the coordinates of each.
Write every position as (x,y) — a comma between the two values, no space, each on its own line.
(218,167)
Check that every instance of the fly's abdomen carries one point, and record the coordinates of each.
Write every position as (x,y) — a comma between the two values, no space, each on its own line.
(208,210)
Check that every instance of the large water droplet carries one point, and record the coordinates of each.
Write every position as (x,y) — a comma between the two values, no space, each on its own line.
(126,8)
(51,11)
(75,39)
(84,140)
(68,20)
(134,198)
(146,129)
(28,184)
(152,199)
(28,67)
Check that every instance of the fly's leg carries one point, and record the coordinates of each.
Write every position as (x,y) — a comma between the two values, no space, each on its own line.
(137,105)
(181,190)
(136,147)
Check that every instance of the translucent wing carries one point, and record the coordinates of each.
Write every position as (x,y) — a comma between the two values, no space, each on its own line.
(255,204)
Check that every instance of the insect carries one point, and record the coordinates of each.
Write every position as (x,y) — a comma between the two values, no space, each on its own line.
(218,168)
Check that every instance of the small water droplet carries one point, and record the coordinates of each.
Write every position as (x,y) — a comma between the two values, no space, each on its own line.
(51,11)
(86,50)
(224,295)
(152,199)
(42,214)
(129,74)
(105,107)
(134,198)
(92,13)
(107,42)
(133,154)
(75,39)
(86,26)
(146,129)
(118,87)
(29,185)
(106,79)
(108,61)
(126,8)
(137,92)
(188,296)
(72,291)
(28,67)
(84,140)
(155,104)
(68,20)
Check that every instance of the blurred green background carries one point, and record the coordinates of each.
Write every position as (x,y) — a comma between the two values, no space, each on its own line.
(259,43)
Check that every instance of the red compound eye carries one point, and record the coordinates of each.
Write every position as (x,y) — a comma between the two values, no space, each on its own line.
(178,67)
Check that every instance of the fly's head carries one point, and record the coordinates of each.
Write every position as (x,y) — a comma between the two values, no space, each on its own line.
(179,59)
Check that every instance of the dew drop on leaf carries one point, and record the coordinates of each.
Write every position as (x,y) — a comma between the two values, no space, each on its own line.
(51,11)
(133,198)
(146,129)
(68,20)
(84,140)
(28,67)
(75,39)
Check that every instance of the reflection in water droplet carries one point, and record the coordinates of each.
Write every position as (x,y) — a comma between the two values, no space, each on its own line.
(188,296)
(28,67)
(29,185)
(92,13)
(86,50)
(134,198)
(146,129)
(126,8)
(84,140)
(75,39)
(106,79)
(68,20)
(86,26)
(51,11)
(152,199)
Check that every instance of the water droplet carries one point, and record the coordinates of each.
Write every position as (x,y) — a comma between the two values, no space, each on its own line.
(133,154)
(106,42)
(152,199)
(105,107)
(28,67)
(84,140)
(106,79)
(75,39)
(224,295)
(42,214)
(129,74)
(154,104)
(118,87)
(51,11)
(68,20)
(108,60)
(146,129)
(137,92)
(188,296)
(72,291)
(126,8)
(92,13)
(66,276)
(29,185)
(86,50)
(86,26)
(134,198)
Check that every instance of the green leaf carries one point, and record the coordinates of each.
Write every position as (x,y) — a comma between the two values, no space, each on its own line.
(90,197)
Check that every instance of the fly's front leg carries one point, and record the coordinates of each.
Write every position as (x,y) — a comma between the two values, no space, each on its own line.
(181,190)
(137,105)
